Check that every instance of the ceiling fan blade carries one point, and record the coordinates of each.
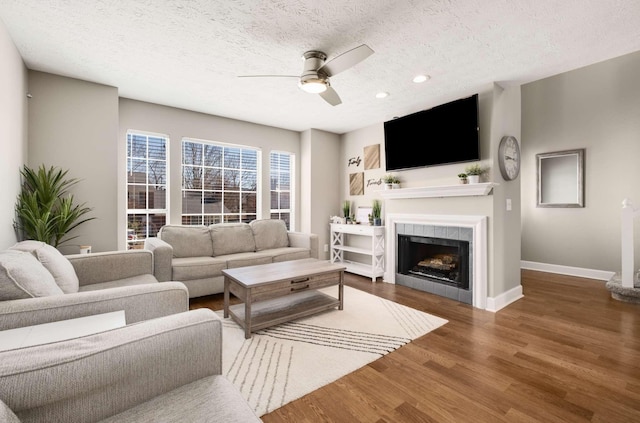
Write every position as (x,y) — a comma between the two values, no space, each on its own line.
(346,60)
(268,76)
(331,96)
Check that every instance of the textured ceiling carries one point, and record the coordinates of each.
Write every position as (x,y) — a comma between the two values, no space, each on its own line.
(189,54)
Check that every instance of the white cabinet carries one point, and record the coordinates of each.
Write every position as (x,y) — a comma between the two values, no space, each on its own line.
(364,244)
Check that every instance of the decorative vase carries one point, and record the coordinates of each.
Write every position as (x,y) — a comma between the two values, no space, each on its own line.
(395,186)
(377,222)
(464,181)
(388,186)
(474,179)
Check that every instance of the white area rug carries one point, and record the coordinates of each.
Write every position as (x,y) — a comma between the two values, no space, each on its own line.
(285,362)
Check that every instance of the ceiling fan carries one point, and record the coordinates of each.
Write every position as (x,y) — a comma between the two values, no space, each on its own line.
(316,71)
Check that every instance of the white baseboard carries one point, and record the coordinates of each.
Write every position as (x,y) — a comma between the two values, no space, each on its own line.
(567,270)
(501,301)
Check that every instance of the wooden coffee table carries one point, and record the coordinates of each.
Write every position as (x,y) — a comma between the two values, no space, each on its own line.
(279,292)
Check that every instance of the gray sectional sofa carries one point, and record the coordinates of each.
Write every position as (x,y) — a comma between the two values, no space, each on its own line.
(196,255)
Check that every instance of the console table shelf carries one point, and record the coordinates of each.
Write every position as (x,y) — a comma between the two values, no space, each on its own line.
(341,243)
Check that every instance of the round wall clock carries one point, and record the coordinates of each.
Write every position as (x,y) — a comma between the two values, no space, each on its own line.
(509,157)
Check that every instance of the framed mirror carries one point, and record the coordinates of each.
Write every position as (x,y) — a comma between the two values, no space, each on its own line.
(560,177)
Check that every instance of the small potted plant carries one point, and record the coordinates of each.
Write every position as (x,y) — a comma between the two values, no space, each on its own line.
(395,182)
(376,210)
(473,172)
(346,210)
(463,178)
(388,181)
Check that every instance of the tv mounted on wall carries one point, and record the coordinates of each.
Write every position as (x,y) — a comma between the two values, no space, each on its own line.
(442,135)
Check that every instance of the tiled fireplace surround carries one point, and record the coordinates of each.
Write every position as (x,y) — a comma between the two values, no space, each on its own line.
(465,228)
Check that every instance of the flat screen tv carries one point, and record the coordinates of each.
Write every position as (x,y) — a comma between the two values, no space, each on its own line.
(442,135)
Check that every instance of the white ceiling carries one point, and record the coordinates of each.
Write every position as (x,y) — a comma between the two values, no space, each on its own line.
(189,53)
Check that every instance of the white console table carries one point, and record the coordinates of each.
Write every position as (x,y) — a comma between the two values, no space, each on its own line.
(341,242)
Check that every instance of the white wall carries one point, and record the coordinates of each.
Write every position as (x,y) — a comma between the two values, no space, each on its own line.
(596,108)
(179,123)
(13,132)
(73,125)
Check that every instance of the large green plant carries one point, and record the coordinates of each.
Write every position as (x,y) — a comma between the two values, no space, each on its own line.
(45,211)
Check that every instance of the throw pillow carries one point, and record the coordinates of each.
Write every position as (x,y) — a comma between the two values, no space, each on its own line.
(187,241)
(269,233)
(60,268)
(23,276)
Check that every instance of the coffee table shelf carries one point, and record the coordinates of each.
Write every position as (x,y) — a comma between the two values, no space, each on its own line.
(279,310)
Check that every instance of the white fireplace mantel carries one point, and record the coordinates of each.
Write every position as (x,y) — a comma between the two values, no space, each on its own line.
(460,190)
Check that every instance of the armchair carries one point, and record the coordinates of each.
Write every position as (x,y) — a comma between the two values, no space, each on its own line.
(160,370)
(81,285)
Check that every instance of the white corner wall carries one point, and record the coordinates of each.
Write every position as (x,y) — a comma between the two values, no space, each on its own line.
(13,132)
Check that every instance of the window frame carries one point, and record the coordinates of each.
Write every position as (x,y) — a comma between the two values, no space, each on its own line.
(204,218)
(291,173)
(136,242)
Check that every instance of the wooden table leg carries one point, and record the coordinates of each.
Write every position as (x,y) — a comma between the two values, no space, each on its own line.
(226,297)
(247,315)
(341,291)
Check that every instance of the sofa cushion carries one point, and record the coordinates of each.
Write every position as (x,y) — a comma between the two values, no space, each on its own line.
(229,238)
(187,241)
(188,268)
(269,233)
(289,253)
(246,259)
(23,276)
(212,398)
(60,268)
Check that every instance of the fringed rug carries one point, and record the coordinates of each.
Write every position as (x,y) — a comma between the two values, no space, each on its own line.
(285,362)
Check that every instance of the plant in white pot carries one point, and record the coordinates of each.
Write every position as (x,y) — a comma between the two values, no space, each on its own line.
(473,172)
(388,181)
(376,211)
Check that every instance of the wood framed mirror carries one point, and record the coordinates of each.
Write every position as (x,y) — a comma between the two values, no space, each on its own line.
(560,177)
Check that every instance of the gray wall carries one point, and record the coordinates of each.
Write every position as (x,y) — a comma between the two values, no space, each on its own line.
(596,108)
(73,125)
(13,132)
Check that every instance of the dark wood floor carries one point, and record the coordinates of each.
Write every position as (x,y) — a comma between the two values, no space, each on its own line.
(566,352)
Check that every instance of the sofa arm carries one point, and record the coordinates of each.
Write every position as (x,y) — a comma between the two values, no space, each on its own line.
(162,256)
(96,376)
(139,302)
(111,265)
(304,240)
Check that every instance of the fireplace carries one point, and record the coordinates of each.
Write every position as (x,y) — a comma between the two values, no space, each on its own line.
(440,260)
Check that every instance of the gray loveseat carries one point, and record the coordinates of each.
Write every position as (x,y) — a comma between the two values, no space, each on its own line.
(196,255)
(40,285)
(161,370)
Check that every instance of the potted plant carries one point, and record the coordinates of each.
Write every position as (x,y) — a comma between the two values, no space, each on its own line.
(473,172)
(463,178)
(376,210)
(45,211)
(395,182)
(346,210)
(388,181)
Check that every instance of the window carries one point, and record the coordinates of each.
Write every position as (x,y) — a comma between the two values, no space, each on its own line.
(146,186)
(219,183)
(280,176)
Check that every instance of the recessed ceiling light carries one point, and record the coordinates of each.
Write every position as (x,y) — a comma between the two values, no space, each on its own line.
(420,78)
(382,94)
